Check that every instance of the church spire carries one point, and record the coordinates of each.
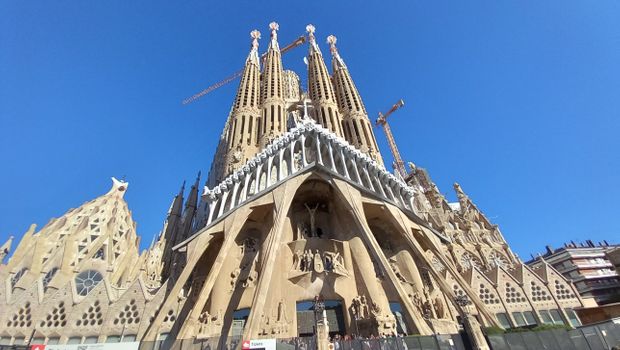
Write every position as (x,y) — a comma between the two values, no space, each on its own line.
(274,27)
(273,121)
(357,128)
(239,140)
(320,88)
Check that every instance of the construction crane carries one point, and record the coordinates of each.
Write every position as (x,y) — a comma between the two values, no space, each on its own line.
(399,165)
(237,74)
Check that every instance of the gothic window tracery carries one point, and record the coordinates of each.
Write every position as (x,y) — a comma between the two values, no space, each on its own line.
(17,276)
(513,295)
(129,315)
(437,265)
(170,317)
(56,318)
(22,318)
(48,277)
(92,317)
(469,261)
(487,295)
(539,293)
(497,259)
(562,292)
(86,281)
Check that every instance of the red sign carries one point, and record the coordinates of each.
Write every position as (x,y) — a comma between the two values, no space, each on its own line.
(37,347)
(245,346)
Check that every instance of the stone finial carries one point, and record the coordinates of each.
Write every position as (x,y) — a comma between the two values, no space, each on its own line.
(5,249)
(310,30)
(255,35)
(119,185)
(459,191)
(412,167)
(331,40)
(274,27)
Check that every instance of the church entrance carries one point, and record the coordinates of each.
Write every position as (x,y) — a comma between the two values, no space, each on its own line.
(240,317)
(305,318)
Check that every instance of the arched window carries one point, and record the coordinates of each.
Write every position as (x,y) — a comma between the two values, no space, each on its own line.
(86,281)
(48,277)
(17,276)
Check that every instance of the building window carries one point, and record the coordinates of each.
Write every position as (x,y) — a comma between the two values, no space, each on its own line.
(90,340)
(160,340)
(17,276)
(37,341)
(572,316)
(53,340)
(519,320)
(48,277)
(113,339)
(503,320)
(86,281)
(555,315)
(129,337)
(545,316)
(529,318)
(74,340)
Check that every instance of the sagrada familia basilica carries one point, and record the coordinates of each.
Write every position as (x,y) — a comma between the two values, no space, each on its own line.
(297,205)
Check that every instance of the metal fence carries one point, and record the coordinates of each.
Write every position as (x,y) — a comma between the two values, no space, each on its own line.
(14,347)
(434,342)
(596,337)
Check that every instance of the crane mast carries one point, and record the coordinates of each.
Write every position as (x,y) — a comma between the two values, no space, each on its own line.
(399,165)
(239,73)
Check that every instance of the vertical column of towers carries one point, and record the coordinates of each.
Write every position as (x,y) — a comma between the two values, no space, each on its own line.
(244,118)
(272,92)
(356,125)
(320,88)
(259,112)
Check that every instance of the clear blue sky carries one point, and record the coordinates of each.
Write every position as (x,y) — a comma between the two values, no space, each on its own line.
(519,101)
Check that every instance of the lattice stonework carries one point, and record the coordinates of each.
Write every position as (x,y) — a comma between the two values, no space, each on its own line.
(487,296)
(458,291)
(513,295)
(129,315)
(539,293)
(562,292)
(56,318)
(170,317)
(22,318)
(92,317)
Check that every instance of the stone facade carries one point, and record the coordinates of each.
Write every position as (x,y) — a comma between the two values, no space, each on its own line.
(307,210)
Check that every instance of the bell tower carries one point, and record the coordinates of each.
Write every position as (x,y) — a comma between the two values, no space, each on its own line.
(356,125)
(273,107)
(320,88)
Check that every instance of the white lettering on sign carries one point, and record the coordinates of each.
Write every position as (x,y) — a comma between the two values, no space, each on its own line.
(259,344)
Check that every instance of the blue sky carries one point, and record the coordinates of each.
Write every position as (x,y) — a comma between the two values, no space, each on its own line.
(518,101)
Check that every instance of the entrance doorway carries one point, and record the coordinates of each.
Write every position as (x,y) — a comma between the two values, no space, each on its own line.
(401,320)
(305,318)
(240,318)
